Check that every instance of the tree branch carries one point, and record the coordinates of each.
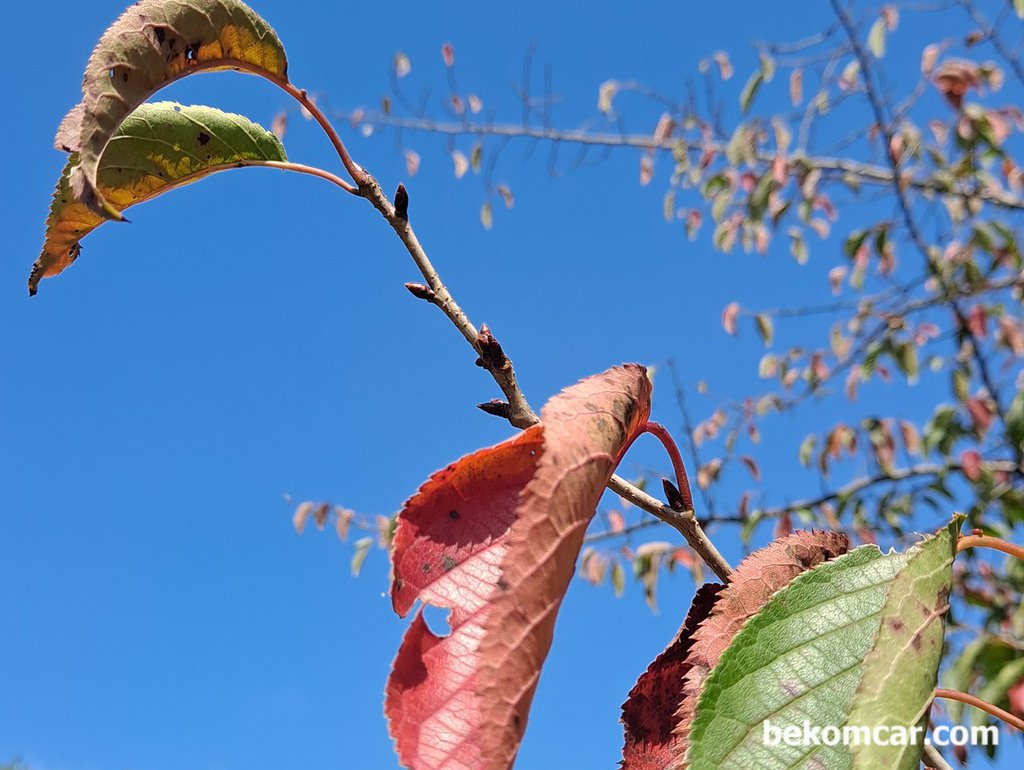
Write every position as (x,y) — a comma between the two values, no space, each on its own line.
(865,173)
(885,128)
(519,412)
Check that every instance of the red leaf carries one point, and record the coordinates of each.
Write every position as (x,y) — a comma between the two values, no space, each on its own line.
(1016,697)
(448,54)
(729,317)
(955,77)
(977,321)
(587,429)
(447,549)
(494,537)
(971,462)
(981,414)
(758,576)
(649,712)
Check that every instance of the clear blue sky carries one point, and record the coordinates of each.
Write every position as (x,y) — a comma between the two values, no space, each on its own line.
(250,336)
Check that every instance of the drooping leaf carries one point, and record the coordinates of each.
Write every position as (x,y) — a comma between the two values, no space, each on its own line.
(587,429)
(750,90)
(447,552)
(649,713)
(494,538)
(900,670)
(153,43)
(751,586)
(799,655)
(159,147)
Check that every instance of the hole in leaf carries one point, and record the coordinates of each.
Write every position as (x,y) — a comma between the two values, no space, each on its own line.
(436,619)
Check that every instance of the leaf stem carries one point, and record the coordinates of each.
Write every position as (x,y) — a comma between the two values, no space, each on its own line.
(682,482)
(986,541)
(988,708)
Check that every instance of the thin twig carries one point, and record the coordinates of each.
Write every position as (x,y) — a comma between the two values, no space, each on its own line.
(885,128)
(491,356)
(866,173)
(934,758)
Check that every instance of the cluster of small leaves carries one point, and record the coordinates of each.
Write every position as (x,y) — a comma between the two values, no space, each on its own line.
(380,530)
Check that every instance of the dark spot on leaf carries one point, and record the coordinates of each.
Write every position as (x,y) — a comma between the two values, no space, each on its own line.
(448,563)
(453,515)
(203,138)
(915,642)
(896,625)
(160,34)
(502,585)
(426,568)
(399,584)
(124,77)
(517,720)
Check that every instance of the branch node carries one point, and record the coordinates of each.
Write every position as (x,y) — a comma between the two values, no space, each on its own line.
(492,357)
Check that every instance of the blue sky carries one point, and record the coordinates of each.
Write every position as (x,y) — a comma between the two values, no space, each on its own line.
(250,336)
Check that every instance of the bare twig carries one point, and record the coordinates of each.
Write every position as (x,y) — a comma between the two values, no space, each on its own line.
(491,355)
(885,128)
(866,173)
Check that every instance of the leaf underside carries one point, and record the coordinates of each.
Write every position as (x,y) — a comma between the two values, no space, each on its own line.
(750,587)
(799,658)
(900,671)
(159,147)
(494,538)
(153,43)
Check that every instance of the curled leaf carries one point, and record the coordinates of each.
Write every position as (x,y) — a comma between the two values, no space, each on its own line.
(159,147)
(152,44)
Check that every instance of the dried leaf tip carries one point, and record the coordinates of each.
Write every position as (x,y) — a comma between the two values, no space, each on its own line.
(402,202)
(421,291)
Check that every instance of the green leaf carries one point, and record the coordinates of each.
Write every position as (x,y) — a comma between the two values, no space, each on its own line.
(750,90)
(994,690)
(765,328)
(876,38)
(1018,6)
(1015,420)
(362,547)
(152,44)
(801,655)
(807,449)
(958,676)
(159,147)
(900,670)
